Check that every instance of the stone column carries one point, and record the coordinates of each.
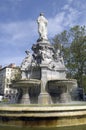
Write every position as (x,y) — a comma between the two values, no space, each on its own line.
(25,96)
(44,97)
(65,96)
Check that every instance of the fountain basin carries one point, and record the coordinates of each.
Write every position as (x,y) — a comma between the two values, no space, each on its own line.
(43,116)
(26,83)
(29,90)
(60,90)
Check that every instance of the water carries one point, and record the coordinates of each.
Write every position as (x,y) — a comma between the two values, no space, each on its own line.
(81,127)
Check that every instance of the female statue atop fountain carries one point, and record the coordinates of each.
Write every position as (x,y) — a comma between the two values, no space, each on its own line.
(42,27)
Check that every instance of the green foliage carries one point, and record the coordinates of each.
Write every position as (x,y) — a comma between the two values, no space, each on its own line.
(17,76)
(73,46)
(78,52)
(5,100)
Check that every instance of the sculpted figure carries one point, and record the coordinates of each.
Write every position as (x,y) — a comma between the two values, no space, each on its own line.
(46,57)
(42,27)
(26,65)
(26,61)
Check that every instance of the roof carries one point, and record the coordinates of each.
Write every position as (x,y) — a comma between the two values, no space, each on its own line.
(17,67)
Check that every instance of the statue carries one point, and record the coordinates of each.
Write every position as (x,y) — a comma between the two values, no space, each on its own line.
(26,65)
(42,27)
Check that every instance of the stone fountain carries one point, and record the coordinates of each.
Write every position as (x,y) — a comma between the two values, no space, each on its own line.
(44,73)
(44,91)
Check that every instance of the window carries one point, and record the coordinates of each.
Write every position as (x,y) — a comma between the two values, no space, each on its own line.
(7,92)
(7,85)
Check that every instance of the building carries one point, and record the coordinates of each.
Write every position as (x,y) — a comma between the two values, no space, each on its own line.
(7,74)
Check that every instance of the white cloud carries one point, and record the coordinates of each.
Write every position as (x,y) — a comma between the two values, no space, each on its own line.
(68,16)
(25,32)
(16,36)
(55,24)
(18,32)
(63,20)
(70,1)
(65,7)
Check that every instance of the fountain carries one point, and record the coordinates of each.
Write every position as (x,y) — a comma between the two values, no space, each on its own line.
(44,91)
(44,73)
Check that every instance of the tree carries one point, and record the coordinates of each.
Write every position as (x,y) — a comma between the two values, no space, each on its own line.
(73,46)
(78,52)
(16,76)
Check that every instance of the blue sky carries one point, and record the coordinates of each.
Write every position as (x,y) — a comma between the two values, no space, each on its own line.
(18,26)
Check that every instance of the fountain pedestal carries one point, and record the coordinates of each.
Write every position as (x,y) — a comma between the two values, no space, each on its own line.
(25,99)
(44,98)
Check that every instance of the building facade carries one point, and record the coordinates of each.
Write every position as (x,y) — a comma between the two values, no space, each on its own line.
(7,74)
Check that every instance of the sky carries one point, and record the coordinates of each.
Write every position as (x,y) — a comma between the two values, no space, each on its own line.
(18,24)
